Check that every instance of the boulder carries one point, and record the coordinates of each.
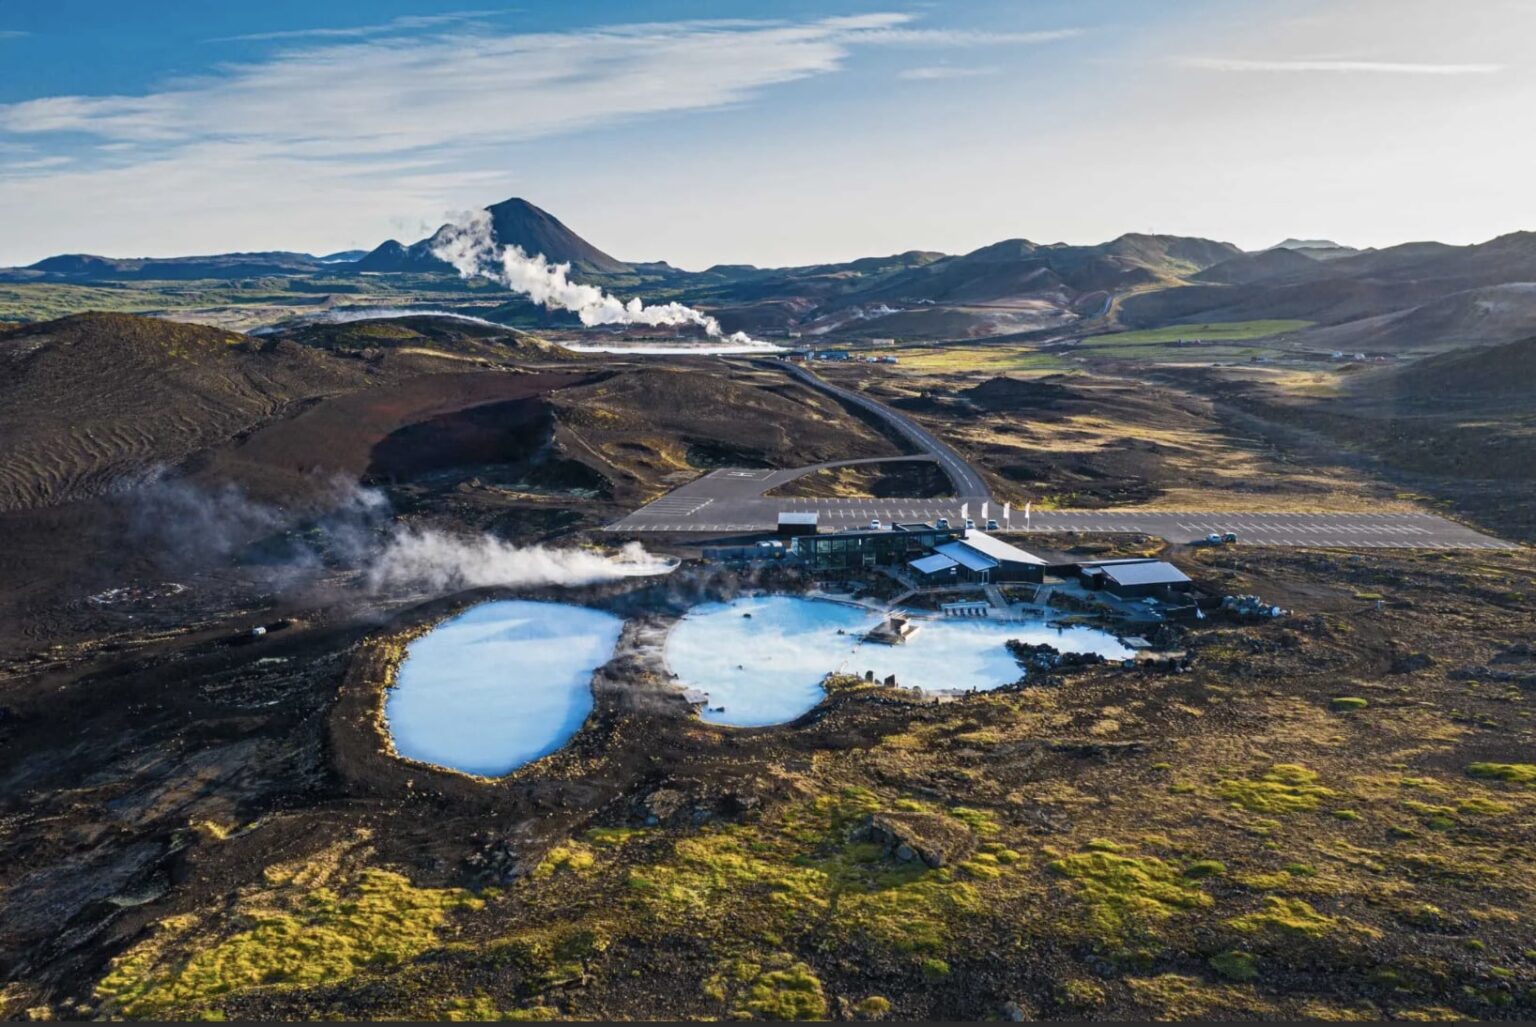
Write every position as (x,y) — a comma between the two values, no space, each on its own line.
(934,839)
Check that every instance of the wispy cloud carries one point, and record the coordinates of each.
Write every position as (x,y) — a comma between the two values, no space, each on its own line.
(345,126)
(407,23)
(940,72)
(13,34)
(399,94)
(1336,66)
(960,37)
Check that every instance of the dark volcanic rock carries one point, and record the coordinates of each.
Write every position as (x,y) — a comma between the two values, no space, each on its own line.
(936,840)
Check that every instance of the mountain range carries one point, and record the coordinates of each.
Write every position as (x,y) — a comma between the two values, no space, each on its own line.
(1421,295)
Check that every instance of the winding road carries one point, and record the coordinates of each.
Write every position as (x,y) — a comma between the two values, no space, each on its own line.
(735,500)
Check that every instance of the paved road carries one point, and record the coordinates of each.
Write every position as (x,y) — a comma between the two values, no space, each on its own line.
(734,500)
(968,483)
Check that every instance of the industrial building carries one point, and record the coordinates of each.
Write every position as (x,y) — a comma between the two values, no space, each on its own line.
(1136,579)
(799,523)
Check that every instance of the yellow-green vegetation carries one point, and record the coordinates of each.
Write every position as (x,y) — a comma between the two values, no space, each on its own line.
(612,837)
(1348,703)
(993,359)
(775,987)
(550,955)
(1220,331)
(1284,917)
(873,1007)
(285,938)
(1178,997)
(1127,895)
(1235,966)
(803,866)
(573,856)
(1283,788)
(1517,773)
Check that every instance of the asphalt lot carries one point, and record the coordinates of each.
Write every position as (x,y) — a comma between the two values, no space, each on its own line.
(732,500)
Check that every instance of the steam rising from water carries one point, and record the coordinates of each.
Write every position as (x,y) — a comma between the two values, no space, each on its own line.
(192,528)
(438,562)
(468,244)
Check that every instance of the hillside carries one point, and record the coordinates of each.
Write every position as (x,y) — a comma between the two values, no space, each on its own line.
(1495,314)
(1247,268)
(1506,371)
(93,399)
(424,335)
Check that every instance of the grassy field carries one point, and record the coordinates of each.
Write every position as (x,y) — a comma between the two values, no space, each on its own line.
(1221,331)
(230,303)
(992,359)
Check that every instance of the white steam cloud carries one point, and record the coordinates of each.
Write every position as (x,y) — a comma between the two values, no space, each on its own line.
(191,528)
(438,562)
(469,245)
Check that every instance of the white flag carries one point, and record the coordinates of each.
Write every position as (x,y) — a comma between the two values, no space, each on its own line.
(984,510)
(965,510)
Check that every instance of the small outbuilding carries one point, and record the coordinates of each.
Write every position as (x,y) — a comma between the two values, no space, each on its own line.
(799,522)
(1137,579)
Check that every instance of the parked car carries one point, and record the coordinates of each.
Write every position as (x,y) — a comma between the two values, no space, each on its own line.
(874,524)
(991,523)
(942,524)
(969,523)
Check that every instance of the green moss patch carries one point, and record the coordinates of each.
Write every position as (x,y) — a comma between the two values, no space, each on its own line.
(318,937)
(1285,917)
(774,987)
(1235,966)
(1283,788)
(1517,773)
(1125,894)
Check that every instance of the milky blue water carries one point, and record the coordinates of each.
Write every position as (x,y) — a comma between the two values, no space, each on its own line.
(500,685)
(767,668)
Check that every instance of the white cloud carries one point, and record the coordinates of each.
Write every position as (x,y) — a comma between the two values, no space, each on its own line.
(959,37)
(382,96)
(13,34)
(406,23)
(404,117)
(1365,67)
(940,72)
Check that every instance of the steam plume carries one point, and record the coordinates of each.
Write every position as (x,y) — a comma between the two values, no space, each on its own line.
(438,562)
(192,528)
(470,247)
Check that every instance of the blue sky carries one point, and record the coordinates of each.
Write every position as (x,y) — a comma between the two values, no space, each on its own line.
(711,132)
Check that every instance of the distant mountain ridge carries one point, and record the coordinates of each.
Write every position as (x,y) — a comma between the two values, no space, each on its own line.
(1418,296)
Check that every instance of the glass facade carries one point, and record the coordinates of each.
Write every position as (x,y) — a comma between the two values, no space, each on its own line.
(852,550)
